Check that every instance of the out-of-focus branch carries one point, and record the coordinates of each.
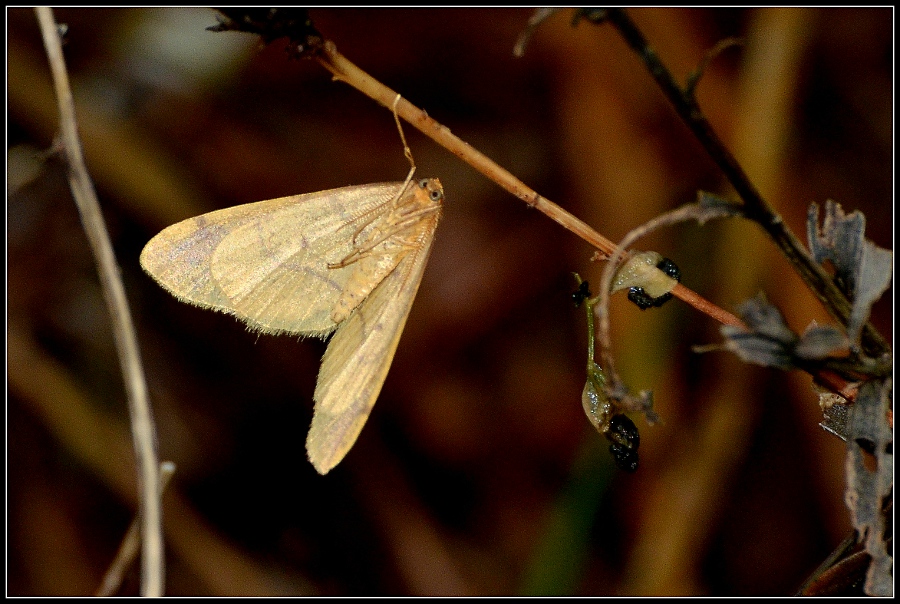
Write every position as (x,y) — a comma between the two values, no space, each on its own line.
(756,207)
(131,544)
(143,429)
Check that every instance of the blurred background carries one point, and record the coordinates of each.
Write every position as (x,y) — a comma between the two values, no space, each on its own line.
(477,472)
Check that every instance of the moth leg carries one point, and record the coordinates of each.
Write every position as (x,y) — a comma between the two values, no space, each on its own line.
(406,150)
(414,206)
(392,235)
(371,269)
(375,212)
(362,251)
(412,170)
(372,266)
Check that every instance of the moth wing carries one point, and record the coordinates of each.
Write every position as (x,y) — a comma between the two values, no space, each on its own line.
(267,262)
(178,257)
(359,355)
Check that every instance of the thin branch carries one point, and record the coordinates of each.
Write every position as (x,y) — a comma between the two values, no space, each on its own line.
(755,207)
(346,71)
(143,429)
(825,377)
(131,543)
(705,306)
(343,69)
(684,213)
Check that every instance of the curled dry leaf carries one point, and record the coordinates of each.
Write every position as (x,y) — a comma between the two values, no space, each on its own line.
(870,492)
(771,343)
(862,269)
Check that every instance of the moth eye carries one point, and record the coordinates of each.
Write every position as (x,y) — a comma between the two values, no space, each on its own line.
(434,192)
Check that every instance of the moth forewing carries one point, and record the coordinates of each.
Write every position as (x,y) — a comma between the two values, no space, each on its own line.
(275,272)
(359,355)
(178,257)
(266,262)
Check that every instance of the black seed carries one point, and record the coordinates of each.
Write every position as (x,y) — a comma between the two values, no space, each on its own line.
(581,294)
(640,298)
(669,268)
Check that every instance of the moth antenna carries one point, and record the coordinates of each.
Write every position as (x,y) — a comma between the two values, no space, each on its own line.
(406,150)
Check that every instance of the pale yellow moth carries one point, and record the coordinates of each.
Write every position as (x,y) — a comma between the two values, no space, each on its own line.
(347,261)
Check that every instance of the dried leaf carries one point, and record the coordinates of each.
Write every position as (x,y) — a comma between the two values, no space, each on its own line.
(771,343)
(819,342)
(870,493)
(862,269)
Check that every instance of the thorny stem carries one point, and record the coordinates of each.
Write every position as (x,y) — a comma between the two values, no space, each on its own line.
(346,71)
(142,428)
(755,207)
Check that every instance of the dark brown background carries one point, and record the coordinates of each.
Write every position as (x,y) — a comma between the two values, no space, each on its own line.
(477,472)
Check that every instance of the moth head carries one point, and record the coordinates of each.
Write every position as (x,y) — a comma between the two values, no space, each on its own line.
(432,188)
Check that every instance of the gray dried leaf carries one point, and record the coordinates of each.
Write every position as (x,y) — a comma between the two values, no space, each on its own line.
(870,492)
(771,343)
(874,278)
(820,341)
(765,319)
(862,269)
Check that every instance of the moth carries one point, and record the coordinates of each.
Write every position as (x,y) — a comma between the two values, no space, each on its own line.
(346,262)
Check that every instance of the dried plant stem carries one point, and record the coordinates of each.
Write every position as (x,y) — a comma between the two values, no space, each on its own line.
(131,543)
(705,306)
(348,72)
(755,206)
(143,429)
(682,214)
